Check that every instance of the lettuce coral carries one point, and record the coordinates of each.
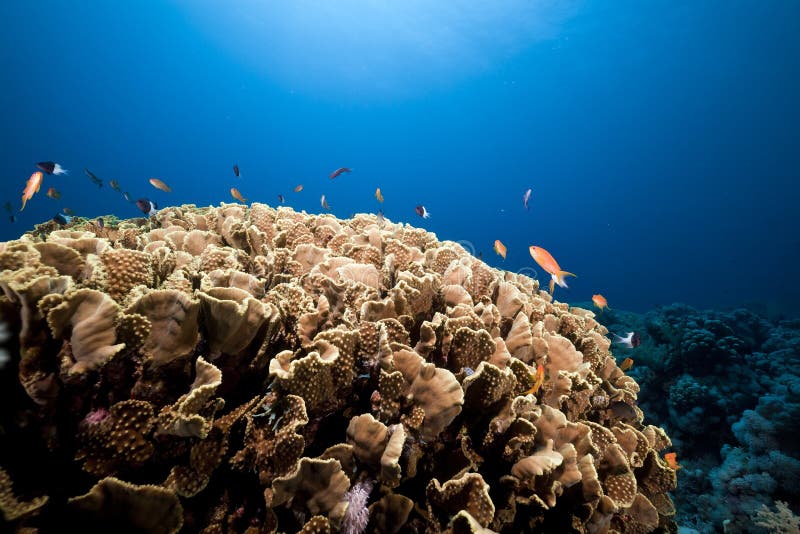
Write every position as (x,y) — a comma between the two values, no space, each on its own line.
(250,369)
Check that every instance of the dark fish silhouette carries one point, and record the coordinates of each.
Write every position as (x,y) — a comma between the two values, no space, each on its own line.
(60,218)
(422,212)
(236,170)
(339,171)
(147,206)
(95,180)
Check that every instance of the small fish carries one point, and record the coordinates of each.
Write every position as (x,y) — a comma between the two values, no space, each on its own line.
(51,167)
(630,341)
(127,196)
(60,218)
(422,212)
(526,198)
(95,180)
(281,199)
(379,195)
(600,301)
(53,193)
(480,255)
(339,171)
(147,206)
(115,185)
(101,223)
(68,211)
(237,195)
(381,219)
(672,460)
(549,264)
(236,170)
(500,248)
(537,381)
(324,203)
(626,364)
(298,188)
(10,210)
(31,187)
(159,184)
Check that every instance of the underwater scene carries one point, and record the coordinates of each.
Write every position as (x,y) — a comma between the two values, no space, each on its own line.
(524,266)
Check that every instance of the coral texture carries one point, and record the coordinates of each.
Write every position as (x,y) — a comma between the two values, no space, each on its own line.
(250,369)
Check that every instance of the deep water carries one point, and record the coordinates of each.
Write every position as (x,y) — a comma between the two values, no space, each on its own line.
(660,141)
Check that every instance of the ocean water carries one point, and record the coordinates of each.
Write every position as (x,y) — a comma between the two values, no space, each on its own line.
(660,141)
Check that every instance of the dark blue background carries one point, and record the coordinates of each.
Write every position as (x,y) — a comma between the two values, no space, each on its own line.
(660,138)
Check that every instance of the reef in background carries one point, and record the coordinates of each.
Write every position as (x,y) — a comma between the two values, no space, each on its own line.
(726,387)
(235,369)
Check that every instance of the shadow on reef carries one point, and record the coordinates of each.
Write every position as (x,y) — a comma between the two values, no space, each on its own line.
(250,369)
(726,387)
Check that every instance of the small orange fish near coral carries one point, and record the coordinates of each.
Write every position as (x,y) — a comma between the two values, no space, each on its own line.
(237,195)
(53,193)
(600,301)
(159,184)
(672,460)
(626,364)
(500,248)
(538,380)
(549,264)
(298,188)
(379,195)
(31,186)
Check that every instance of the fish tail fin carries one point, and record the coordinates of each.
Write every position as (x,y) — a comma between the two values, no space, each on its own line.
(559,278)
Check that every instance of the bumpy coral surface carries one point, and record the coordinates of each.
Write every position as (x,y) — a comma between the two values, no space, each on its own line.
(247,369)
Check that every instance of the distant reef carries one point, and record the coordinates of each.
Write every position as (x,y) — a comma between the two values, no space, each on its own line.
(250,369)
(725,385)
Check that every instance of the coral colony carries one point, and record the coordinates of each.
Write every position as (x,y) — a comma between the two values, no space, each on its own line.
(250,369)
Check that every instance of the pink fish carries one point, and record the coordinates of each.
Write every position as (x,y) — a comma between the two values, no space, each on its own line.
(339,171)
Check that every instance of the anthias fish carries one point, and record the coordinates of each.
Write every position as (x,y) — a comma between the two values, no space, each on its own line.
(53,193)
(537,381)
(672,460)
(526,198)
(626,364)
(339,171)
(115,185)
(500,248)
(379,195)
(298,188)
(550,265)
(51,167)
(600,301)
(68,211)
(422,212)
(324,203)
(631,340)
(147,206)
(237,195)
(31,187)
(95,180)
(159,184)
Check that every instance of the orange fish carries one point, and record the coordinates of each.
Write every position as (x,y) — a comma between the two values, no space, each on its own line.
(158,184)
(32,186)
(626,364)
(237,195)
(549,264)
(672,460)
(53,193)
(379,195)
(500,248)
(600,301)
(538,380)
(298,188)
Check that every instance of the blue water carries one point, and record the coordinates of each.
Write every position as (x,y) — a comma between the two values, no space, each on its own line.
(660,138)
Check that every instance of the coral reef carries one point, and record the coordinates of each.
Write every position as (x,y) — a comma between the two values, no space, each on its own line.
(726,387)
(250,369)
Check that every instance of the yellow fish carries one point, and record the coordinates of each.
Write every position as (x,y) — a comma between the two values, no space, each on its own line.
(237,195)
(158,184)
(500,248)
(538,380)
(378,195)
(600,301)
(31,186)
